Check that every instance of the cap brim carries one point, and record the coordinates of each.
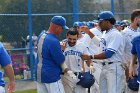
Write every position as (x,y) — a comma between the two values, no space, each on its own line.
(65,27)
(100,20)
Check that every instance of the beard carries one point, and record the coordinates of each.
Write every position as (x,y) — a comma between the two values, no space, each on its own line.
(71,44)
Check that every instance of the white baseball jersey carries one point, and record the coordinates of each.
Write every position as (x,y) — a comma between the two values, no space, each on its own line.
(85,39)
(112,40)
(128,34)
(94,49)
(112,75)
(72,56)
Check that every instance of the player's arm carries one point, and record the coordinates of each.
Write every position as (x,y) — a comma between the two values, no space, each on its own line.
(135,46)
(109,51)
(5,62)
(68,71)
(94,38)
(10,74)
(63,44)
(83,66)
(64,67)
(131,67)
(88,62)
(104,55)
(87,31)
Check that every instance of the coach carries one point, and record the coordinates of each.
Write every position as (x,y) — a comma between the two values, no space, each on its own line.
(50,59)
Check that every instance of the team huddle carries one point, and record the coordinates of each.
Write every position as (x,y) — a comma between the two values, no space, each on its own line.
(96,57)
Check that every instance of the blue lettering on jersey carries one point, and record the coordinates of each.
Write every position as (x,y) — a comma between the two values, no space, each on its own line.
(72,52)
(103,41)
(103,44)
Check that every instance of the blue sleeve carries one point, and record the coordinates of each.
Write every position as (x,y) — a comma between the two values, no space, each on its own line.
(135,46)
(109,53)
(4,57)
(133,50)
(56,53)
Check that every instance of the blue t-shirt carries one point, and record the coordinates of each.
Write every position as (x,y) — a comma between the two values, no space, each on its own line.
(136,51)
(49,58)
(4,61)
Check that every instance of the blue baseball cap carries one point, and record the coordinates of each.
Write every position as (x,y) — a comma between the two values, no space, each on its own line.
(59,20)
(75,24)
(90,24)
(105,15)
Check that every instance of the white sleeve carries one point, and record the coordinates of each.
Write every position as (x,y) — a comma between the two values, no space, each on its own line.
(96,40)
(86,51)
(127,48)
(115,42)
(86,40)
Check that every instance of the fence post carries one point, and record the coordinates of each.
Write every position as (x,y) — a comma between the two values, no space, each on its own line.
(75,10)
(112,6)
(30,38)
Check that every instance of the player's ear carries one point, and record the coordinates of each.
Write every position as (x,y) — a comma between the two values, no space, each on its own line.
(135,19)
(67,36)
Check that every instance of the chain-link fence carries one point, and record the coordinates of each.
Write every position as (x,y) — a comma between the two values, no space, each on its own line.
(14,21)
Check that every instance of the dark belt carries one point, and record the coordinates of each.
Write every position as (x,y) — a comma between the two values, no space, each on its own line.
(94,61)
(77,73)
(105,63)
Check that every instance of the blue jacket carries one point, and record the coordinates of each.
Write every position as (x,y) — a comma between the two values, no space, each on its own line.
(49,58)
(136,50)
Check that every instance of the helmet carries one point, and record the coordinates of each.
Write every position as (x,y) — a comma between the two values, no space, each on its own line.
(75,24)
(78,24)
(118,23)
(86,80)
(90,24)
(105,15)
(126,22)
(133,84)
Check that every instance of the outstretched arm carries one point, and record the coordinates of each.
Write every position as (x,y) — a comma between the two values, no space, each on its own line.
(10,74)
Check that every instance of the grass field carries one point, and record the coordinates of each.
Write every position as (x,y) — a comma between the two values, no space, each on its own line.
(27,91)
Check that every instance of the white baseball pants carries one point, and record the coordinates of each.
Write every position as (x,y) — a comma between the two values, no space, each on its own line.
(112,78)
(55,87)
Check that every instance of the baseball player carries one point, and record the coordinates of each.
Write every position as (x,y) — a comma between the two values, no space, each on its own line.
(5,62)
(129,33)
(97,66)
(50,59)
(73,60)
(93,49)
(111,42)
(118,26)
(135,54)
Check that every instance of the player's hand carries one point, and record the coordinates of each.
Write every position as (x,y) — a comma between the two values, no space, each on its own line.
(85,57)
(92,69)
(72,75)
(131,71)
(11,86)
(63,45)
(85,29)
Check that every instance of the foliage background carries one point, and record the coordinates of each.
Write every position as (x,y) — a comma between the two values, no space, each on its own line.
(15,27)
